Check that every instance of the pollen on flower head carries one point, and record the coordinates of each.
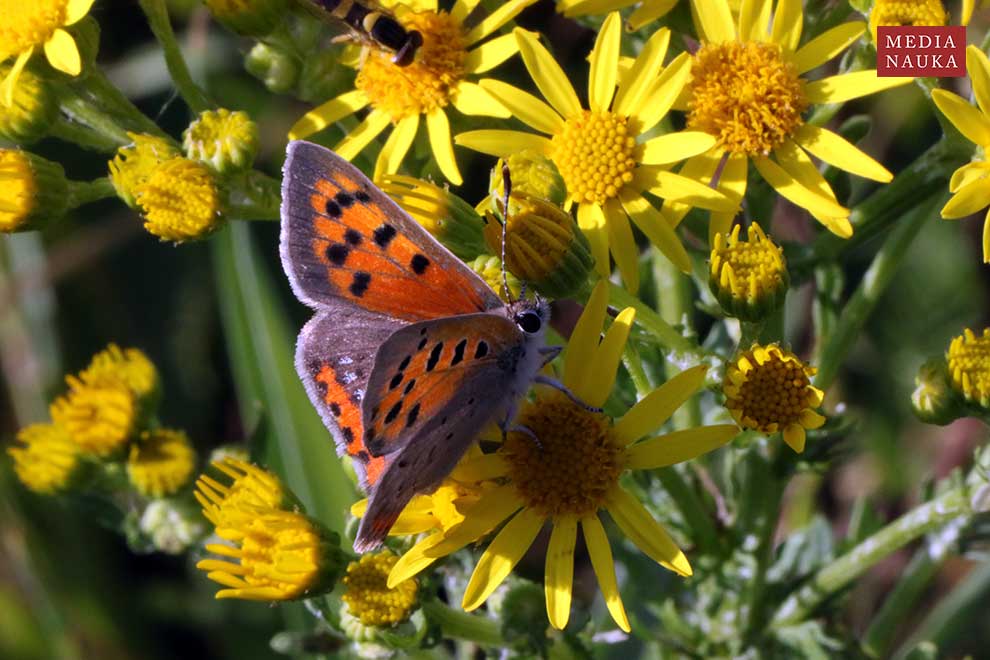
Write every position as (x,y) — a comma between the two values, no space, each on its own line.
(28,24)
(745,95)
(129,366)
(135,163)
(180,201)
(906,12)
(161,462)
(99,418)
(46,460)
(226,141)
(367,595)
(571,466)
(768,389)
(749,277)
(595,154)
(968,360)
(425,84)
(490,270)
(250,488)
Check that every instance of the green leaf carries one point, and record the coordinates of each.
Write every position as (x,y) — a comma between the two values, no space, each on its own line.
(261,344)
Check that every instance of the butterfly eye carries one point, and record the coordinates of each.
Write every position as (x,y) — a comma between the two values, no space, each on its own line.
(529,322)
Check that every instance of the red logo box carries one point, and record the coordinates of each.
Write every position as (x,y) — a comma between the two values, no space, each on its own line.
(936,52)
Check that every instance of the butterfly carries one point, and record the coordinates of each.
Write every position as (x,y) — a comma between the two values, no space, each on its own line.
(410,354)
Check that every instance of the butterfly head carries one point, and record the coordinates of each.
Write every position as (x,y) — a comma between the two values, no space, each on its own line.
(531,316)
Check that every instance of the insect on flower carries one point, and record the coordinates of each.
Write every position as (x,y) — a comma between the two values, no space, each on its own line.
(372,25)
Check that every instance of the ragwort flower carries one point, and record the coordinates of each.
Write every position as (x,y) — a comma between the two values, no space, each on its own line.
(768,389)
(970,185)
(748,277)
(598,150)
(27,26)
(46,460)
(647,11)
(968,360)
(367,596)
(748,91)
(906,12)
(161,462)
(967,9)
(437,78)
(100,418)
(573,474)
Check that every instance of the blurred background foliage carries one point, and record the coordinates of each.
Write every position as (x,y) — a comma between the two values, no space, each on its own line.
(70,589)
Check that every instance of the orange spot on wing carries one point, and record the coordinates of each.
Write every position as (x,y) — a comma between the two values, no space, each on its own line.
(374,469)
(339,399)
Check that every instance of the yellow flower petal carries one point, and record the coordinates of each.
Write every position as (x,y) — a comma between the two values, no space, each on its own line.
(462,9)
(647,12)
(794,436)
(848,86)
(362,135)
(811,420)
(601,562)
(634,88)
(503,553)
(584,337)
(571,8)
(978,68)
(662,98)
(605,64)
(61,51)
(642,529)
(968,200)
(675,147)
(713,20)
(835,150)
(591,220)
(76,10)
(438,128)
(790,189)
(502,143)
(653,410)
(656,227)
(679,446)
(471,99)
(414,561)
(622,244)
(505,13)
(967,11)
(322,116)
(986,239)
(787,24)
(559,571)
(607,357)
(396,146)
(754,20)
(525,107)
(969,120)
(827,45)
(7,88)
(490,510)
(490,54)
(669,185)
(968,173)
(799,165)
(547,74)
(700,168)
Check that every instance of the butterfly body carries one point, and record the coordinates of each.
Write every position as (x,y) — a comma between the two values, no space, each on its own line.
(410,354)
(372,25)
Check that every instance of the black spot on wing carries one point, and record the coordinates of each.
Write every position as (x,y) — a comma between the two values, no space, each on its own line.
(481,350)
(384,235)
(348,434)
(344,199)
(394,412)
(396,381)
(362,197)
(337,253)
(353,237)
(363,456)
(431,363)
(333,209)
(419,264)
(409,386)
(459,352)
(405,363)
(422,344)
(360,282)
(334,408)
(411,417)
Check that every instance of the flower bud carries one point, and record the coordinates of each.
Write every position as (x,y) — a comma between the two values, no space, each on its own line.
(32,111)
(161,463)
(252,18)
(531,173)
(172,525)
(490,269)
(135,163)
(277,69)
(180,201)
(367,596)
(749,278)
(33,191)
(100,419)
(933,400)
(543,245)
(968,363)
(46,460)
(225,141)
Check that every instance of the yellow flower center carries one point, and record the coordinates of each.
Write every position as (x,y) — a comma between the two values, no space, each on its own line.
(573,466)
(595,154)
(161,463)
(774,391)
(223,139)
(180,201)
(969,365)
(427,83)
(100,419)
(748,270)
(134,164)
(46,459)
(17,189)
(367,595)
(907,12)
(27,24)
(746,96)
(251,488)
(129,366)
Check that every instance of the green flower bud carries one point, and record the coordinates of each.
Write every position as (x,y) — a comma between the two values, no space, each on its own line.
(933,400)
(278,70)
(252,18)
(32,191)
(172,525)
(445,215)
(490,269)
(749,278)
(531,173)
(543,245)
(32,112)
(225,141)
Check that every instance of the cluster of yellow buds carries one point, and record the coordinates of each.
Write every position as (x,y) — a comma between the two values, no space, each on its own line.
(748,277)
(956,384)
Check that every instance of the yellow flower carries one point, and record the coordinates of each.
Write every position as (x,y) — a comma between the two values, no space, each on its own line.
(437,78)
(969,185)
(573,473)
(968,360)
(967,9)
(768,389)
(906,12)
(129,366)
(369,599)
(226,141)
(747,91)
(529,172)
(32,190)
(31,111)
(27,26)
(46,460)
(180,201)
(647,11)
(250,487)
(598,151)
(749,278)
(135,163)
(161,463)
(99,418)
(490,269)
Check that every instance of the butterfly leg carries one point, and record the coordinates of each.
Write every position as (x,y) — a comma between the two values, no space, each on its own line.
(519,428)
(549,353)
(557,385)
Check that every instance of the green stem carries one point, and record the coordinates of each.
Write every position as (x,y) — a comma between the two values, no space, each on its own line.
(649,319)
(157,14)
(874,283)
(461,625)
(253,196)
(839,573)
(82,111)
(86,192)
(634,365)
(97,86)
(696,514)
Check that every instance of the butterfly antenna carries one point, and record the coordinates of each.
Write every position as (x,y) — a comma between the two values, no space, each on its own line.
(507,184)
